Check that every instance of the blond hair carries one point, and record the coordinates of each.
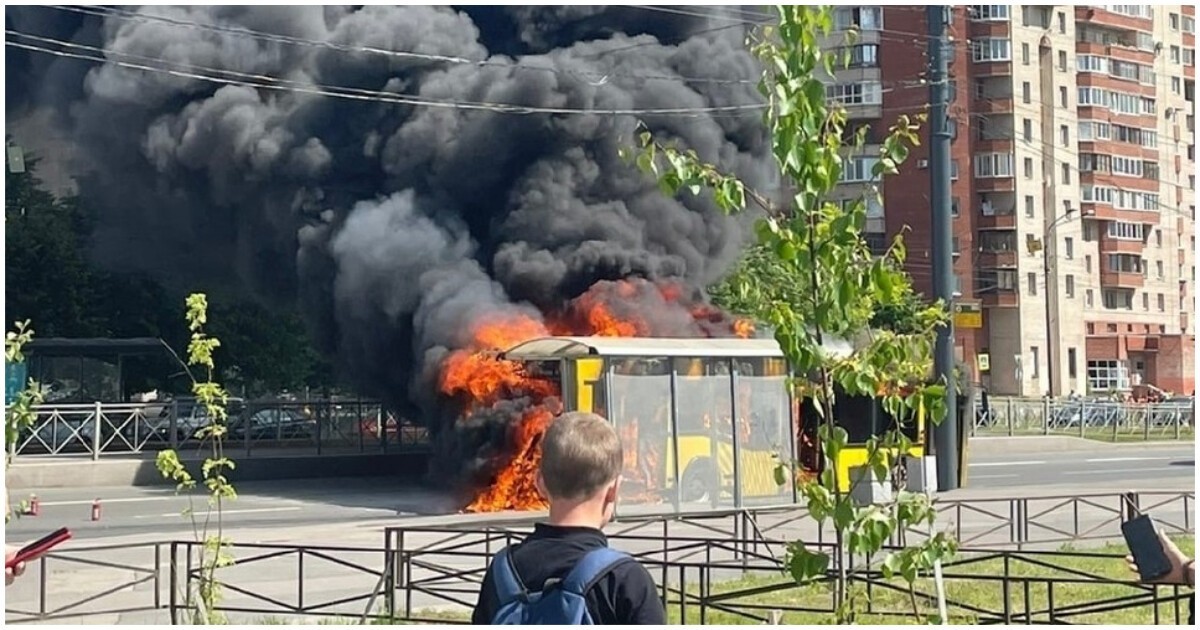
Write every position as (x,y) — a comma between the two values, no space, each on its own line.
(581,453)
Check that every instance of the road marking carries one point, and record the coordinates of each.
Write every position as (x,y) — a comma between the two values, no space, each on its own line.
(225,512)
(103,500)
(1128,459)
(1019,463)
(993,476)
(1113,470)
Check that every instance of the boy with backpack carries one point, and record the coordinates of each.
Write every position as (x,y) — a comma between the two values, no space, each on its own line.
(565,573)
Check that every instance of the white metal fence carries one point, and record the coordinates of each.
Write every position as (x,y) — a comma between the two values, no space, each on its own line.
(1095,419)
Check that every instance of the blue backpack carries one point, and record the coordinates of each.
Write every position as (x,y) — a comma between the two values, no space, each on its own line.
(560,602)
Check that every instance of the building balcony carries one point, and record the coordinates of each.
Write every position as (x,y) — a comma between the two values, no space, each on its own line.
(999,298)
(997,259)
(1109,82)
(993,144)
(995,184)
(1109,245)
(988,28)
(991,69)
(1103,17)
(1105,212)
(994,104)
(1006,221)
(1110,279)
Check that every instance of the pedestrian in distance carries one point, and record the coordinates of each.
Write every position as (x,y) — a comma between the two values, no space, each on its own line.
(564,573)
(1182,573)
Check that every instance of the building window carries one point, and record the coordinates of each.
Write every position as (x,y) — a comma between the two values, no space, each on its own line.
(859,169)
(1175,54)
(1062,96)
(1158,268)
(1145,301)
(1027,129)
(1162,305)
(1072,369)
(954,207)
(863,56)
(1126,231)
(1029,206)
(1025,94)
(858,93)
(1106,375)
(862,18)
(1189,56)
(1066,173)
(987,49)
(1117,299)
(1125,263)
(1091,63)
(994,165)
(1034,371)
(1024,54)
(1088,298)
(1173,19)
(1028,168)
(1176,85)
(1062,60)
(1189,24)
(1031,282)
(1087,263)
(1069,248)
(986,12)
(1062,22)
(1070,286)
(1064,135)
(1158,237)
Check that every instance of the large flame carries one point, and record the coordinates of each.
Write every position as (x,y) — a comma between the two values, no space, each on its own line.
(478,379)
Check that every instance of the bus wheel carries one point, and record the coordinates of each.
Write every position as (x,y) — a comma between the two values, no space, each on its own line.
(698,481)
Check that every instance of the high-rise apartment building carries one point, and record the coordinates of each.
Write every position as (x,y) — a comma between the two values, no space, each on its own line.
(1073,184)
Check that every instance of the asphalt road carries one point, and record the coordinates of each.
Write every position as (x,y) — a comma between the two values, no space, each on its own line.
(261,506)
(1113,467)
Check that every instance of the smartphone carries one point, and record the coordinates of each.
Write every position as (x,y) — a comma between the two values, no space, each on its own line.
(39,547)
(1144,545)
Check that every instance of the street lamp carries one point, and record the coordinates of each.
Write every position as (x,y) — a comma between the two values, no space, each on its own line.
(1048,236)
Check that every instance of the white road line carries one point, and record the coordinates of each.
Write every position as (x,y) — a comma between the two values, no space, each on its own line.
(226,512)
(1112,470)
(1131,459)
(992,476)
(1019,463)
(103,501)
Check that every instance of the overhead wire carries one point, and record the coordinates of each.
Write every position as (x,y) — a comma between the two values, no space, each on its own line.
(274,83)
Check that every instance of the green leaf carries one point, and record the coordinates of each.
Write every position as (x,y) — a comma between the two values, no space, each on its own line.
(805,565)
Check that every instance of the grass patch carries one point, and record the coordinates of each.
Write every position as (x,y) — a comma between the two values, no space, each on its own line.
(894,605)
(963,593)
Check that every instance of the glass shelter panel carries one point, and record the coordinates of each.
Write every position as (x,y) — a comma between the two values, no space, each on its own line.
(641,413)
(764,439)
(705,433)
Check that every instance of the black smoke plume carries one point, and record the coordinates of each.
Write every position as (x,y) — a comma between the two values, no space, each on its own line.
(391,225)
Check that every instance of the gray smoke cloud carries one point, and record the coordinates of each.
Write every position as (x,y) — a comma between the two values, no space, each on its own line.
(394,226)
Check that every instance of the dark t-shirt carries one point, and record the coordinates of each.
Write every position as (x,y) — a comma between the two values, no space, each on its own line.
(626,595)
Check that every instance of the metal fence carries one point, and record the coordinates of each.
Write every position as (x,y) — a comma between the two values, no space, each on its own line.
(711,567)
(1104,420)
(301,428)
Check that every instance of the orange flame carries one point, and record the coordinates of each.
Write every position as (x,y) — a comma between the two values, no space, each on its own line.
(479,379)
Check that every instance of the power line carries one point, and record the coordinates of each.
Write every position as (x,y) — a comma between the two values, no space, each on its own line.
(273,83)
(125,15)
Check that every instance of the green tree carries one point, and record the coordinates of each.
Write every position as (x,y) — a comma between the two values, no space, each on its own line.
(812,278)
(266,350)
(209,531)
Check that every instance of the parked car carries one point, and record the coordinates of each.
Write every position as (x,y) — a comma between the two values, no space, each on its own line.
(277,423)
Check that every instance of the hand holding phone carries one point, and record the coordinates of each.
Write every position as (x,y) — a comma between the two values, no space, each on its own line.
(33,551)
(1153,556)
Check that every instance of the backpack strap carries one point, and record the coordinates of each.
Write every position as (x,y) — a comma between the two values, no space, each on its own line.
(504,575)
(594,565)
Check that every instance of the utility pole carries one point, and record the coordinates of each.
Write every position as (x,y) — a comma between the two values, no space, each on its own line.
(945,435)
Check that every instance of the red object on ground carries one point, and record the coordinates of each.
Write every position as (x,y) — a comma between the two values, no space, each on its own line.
(35,505)
(96,510)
